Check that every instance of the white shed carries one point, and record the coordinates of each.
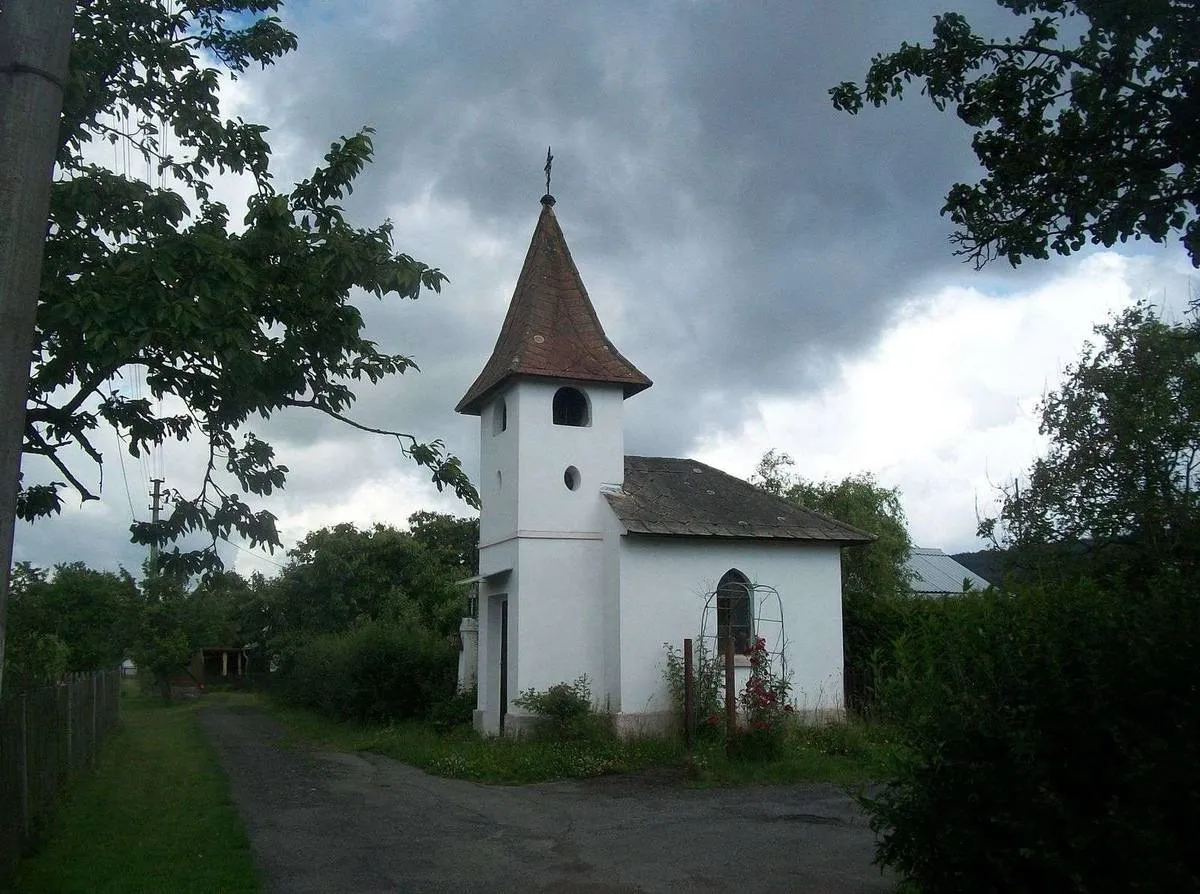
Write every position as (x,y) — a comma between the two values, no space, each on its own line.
(591,560)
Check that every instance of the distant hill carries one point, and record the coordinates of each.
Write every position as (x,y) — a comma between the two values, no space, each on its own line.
(987,563)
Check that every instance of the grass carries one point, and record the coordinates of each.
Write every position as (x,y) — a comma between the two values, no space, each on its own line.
(850,753)
(847,753)
(154,816)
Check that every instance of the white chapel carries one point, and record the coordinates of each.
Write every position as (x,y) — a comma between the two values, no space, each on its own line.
(591,560)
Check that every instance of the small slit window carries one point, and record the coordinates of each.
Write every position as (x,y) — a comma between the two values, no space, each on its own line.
(499,416)
(734,615)
(571,408)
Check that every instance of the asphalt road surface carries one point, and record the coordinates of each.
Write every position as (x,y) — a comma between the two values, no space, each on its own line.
(330,822)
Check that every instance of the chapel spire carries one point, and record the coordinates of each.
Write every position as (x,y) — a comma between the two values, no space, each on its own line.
(551,329)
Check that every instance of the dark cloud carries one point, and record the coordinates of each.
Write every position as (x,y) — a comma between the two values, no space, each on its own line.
(738,234)
(739,237)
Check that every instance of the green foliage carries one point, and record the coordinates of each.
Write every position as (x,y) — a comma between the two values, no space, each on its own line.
(1117,489)
(79,619)
(707,683)
(860,501)
(170,630)
(766,713)
(454,542)
(1050,742)
(462,754)
(455,712)
(229,320)
(340,577)
(34,659)
(92,613)
(564,711)
(378,672)
(1084,123)
(874,576)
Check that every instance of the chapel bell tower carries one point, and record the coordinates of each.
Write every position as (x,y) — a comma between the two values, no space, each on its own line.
(551,440)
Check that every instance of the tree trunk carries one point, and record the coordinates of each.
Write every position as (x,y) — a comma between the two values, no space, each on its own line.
(35,42)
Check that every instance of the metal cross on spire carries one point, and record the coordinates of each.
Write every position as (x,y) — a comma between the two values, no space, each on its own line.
(548,199)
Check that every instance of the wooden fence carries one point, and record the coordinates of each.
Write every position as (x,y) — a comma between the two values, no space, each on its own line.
(46,737)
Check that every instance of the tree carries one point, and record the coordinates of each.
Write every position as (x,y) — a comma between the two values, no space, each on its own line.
(871,575)
(859,500)
(1121,476)
(92,613)
(341,577)
(146,279)
(35,43)
(455,541)
(1084,123)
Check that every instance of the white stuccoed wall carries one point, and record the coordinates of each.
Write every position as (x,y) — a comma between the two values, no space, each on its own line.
(663,585)
(552,538)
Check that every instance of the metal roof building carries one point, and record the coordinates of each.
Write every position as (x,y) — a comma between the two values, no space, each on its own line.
(936,574)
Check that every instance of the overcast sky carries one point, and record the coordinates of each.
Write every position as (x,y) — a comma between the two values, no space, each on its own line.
(779,269)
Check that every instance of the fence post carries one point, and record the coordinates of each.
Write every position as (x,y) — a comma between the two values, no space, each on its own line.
(730,701)
(24,764)
(70,724)
(689,704)
(92,755)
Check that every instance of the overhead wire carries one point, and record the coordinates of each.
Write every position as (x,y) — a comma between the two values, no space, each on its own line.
(252,553)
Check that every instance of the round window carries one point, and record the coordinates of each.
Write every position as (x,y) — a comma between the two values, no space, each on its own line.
(571,478)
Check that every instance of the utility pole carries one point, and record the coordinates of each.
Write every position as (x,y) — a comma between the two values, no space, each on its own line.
(35,43)
(155,505)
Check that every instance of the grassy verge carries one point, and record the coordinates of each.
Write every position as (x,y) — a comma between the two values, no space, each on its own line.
(844,753)
(155,816)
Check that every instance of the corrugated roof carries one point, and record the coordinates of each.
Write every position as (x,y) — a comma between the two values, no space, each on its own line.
(935,572)
(683,497)
(551,329)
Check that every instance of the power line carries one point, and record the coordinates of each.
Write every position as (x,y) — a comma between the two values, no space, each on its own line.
(124,476)
(251,553)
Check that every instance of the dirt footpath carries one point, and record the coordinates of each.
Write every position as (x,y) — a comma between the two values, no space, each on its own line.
(330,822)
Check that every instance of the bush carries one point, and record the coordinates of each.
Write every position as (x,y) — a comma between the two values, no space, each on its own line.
(1050,742)
(456,711)
(377,672)
(766,712)
(871,625)
(707,686)
(564,711)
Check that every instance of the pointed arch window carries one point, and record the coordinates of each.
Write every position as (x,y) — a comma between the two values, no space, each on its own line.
(735,616)
(571,407)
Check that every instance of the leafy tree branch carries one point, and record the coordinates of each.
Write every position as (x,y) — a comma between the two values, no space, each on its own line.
(1081,140)
(150,276)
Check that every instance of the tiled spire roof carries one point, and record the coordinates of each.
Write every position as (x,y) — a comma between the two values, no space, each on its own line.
(551,330)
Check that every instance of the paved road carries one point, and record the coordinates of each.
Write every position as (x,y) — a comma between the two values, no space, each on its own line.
(331,822)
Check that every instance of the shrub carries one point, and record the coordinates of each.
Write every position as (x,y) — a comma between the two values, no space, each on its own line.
(564,711)
(456,711)
(33,660)
(766,713)
(1051,742)
(837,739)
(707,685)
(377,672)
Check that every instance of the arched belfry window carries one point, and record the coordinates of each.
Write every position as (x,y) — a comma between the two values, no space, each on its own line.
(571,407)
(735,616)
(499,416)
